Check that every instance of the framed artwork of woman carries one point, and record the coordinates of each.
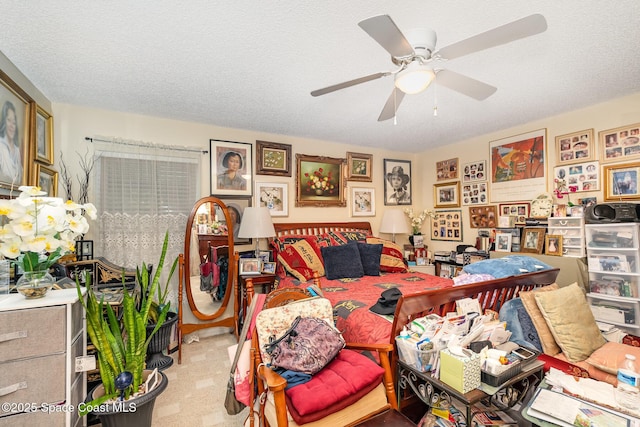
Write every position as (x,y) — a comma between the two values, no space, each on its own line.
(231,168)
(14,137)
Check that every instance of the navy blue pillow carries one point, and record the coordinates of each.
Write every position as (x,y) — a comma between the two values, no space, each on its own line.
(370,254)
(342,262)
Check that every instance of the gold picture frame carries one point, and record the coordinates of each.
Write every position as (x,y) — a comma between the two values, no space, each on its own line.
(273,158)
(532,240)
(359,167)
(447,225)
(620,144)
(621,181)
(47,179)
(320,181)
(43,136)
(576,147)
(13,100)
(553,245)
(447,195)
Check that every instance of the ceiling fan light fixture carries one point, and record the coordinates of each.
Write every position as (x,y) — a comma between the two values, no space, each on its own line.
(415,78)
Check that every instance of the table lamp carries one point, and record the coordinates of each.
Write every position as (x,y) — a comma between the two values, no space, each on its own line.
(256,224)
(394,222)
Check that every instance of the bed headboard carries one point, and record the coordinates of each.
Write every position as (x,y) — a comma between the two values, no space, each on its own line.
(316,228)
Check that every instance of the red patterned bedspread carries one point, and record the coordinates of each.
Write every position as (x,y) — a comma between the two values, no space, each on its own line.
(351,299)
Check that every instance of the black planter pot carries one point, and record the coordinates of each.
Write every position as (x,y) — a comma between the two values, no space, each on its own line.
(160,342)
(136,412)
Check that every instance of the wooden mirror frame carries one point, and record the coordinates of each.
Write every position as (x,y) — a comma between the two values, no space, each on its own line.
(206,320)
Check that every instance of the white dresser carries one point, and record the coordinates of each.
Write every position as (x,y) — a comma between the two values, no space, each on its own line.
(39,341)
(572,231)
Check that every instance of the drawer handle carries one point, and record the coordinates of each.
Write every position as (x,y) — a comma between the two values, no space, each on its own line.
(12,388)
(565,222)
(13,336)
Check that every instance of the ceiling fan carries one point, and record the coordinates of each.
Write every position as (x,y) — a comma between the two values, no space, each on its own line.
(416,58)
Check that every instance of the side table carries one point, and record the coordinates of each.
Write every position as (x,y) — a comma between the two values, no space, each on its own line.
(246,287)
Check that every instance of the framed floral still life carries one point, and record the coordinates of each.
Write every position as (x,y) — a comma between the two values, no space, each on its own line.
(273,158)
(532,240)
(447,225)
(274,196)
(446,195)
(359,167)
(447,170)
(621,182)
(320,181)
(397,186)
(363,202)
(575,147)
(474,171)
(620,144)
(44,137)
(231,168)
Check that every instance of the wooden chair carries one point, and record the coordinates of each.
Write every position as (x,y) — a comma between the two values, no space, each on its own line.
(271,386)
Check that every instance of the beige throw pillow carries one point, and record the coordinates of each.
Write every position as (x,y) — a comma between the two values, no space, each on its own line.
(549,345)
(571,321)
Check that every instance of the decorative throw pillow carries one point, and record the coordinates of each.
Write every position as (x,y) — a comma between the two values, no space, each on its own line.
(392,258)
(342,262)
(523,332)
(571,321)
(508,266)
(280,243)
(344,237)
(302,259)
(370,255)
(548,343)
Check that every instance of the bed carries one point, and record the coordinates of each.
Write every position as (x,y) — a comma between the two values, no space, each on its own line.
(352,298)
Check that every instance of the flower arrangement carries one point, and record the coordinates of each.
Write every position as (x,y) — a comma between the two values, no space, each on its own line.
(319,183)
(418,219)
(270,198)
(41,229)
(563,189)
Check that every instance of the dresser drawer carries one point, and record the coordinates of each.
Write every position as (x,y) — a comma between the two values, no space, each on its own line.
(565,222)
(38,380)
(566,232)
(32,332)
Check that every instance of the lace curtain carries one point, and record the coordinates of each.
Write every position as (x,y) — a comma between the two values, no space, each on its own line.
(142,192)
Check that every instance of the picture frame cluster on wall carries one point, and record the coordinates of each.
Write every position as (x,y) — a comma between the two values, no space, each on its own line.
(576,147)
(620,144)
(447,225)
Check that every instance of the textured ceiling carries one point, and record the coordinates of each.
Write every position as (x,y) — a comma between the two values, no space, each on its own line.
(252,64)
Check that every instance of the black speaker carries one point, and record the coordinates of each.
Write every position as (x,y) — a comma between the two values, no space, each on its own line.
(612,212)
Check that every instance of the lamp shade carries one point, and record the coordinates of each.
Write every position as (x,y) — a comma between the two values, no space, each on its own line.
(394,222)
(256,223)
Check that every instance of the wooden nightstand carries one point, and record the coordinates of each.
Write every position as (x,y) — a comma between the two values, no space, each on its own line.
(262,281)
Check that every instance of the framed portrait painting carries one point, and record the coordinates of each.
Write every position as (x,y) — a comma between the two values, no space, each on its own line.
(46,179)
(397,185)
(447,225)
(575,147)
(274,196)
(447,170)
(231,168)
(518,166)
(359,167)
(363,202)
(620,144)
(273,158)
(320,181)
(621,182)
(446,195)
(14,143)
(43,136)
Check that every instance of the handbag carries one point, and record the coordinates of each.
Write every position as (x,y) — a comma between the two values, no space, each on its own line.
(307,346)
(210,272)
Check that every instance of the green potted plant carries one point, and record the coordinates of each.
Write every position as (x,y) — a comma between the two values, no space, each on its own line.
(121,346)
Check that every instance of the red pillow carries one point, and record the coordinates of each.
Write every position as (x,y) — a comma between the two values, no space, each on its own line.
(280,243)
(392,258)
(341,383)
(302,259)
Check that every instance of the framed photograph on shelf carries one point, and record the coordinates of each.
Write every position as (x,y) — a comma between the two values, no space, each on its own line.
(231,168)
(273,196)
(447,225)
(46,179)
(532,240)
(397,186)
(363,202)
(447,170)
(264,256)
(359,167)
(320,181)
(446,194)
(250,266)
(273,158)
(518,166)
(518,209)
(553,245)
(43,136)
(483,216)
(620,144)
(269,267)
(621,181)
(476,193)
(14,145)
(84,250)
(579,176)
(575,147)
(503,242)
(474,171)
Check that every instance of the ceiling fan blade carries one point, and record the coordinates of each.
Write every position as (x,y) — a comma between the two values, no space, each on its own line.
(347,84)
(524,27)
(383,30)
(392,104)
(465,85)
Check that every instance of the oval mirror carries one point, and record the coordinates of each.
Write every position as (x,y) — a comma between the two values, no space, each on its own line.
(209,235)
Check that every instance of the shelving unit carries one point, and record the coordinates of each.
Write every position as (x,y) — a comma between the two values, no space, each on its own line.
(613,257)
(572,231)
